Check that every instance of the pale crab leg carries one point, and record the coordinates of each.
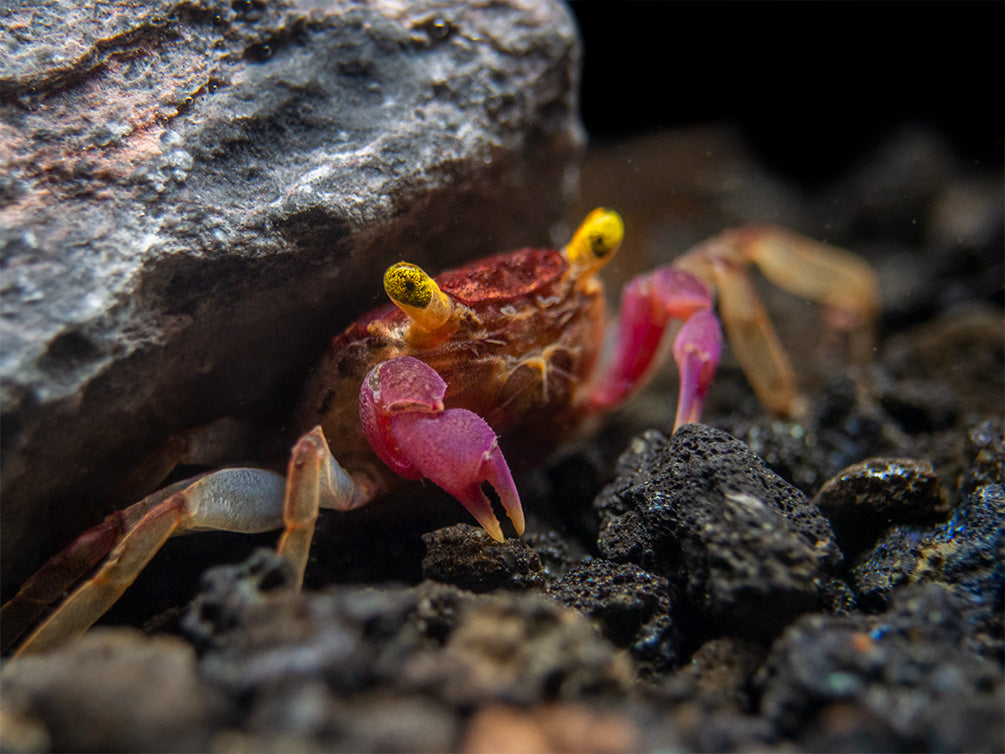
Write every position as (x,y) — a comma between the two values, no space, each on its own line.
(649,304)
(401,410)
(841,281)
(242,500)
(70,565)
(754,341)
(82,608)
(314,480)
(245,500)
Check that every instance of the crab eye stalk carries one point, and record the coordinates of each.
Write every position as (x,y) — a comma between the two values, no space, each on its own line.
(418,295)
(596,240)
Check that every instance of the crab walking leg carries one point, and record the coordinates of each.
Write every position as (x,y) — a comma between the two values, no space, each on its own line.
(754,341)
(314,480)
(241,500)
(842,282)
(82,608)
(696,349)
(837,279)
(69,566)
(649,303)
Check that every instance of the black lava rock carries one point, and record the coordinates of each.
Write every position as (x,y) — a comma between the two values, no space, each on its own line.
(901,681)
(985,452)
(466,556)
(967,551)
(750,551)
(634,609)
(867,497)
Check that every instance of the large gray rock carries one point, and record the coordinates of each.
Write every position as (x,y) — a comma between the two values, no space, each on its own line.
(193,196)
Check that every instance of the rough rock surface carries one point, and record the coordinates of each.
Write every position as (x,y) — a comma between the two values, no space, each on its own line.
(417,652)
(196,194)
(467,557)
(750,549)
(632,607)
(867,497)
(174,716)
(904,678)
(968,550)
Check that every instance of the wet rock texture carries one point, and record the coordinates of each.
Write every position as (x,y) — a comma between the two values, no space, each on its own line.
(195,196)
(754,552)
(832,583)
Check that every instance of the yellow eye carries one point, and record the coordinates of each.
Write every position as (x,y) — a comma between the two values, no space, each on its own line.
(408,284)
(596,240)
(418,295)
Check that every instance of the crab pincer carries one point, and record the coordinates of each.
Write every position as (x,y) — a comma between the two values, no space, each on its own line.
(401,409)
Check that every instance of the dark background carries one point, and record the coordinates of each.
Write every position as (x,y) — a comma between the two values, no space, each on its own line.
(811,85)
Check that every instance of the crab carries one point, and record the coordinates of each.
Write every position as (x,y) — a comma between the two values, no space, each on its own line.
(423,388)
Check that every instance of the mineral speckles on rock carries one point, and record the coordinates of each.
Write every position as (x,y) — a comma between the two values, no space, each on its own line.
(903,679)
(634,609)
(699,507)
(467,557)
(866,498)
(985,451)
(967,551)
(190,184)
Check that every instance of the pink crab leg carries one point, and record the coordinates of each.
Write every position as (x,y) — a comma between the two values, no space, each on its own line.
(650,302)
(401,409)
(697,349)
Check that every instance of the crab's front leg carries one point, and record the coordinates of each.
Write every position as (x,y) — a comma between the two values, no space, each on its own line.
(244,500)
(401,408)
(841,281)
(648,305)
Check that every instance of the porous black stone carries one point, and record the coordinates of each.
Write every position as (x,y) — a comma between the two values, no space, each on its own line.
(700,508)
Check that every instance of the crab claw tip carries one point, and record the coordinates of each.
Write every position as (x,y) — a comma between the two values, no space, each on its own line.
(479,506)
(495,471)
(458,451)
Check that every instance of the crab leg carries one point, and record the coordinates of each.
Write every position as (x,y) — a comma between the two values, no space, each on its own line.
(696,349)
(245,500)
(314,480)
(69,566)
(401,409)
(82,608)
(650,302)
(841,281)
(239,499)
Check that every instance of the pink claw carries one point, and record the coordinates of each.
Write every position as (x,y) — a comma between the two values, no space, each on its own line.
(458,451)
(401,408)
(395,387)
